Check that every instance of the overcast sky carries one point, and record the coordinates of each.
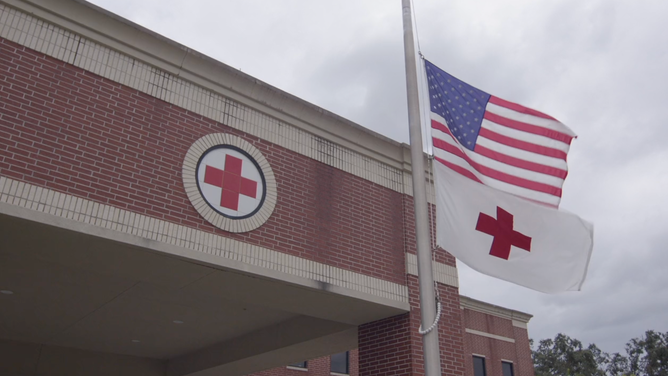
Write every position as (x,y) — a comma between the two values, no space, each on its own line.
(599,66)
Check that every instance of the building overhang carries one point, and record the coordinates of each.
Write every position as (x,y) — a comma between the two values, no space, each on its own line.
(81,286)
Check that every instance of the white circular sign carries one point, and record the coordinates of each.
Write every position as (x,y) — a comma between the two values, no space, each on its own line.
(231,181)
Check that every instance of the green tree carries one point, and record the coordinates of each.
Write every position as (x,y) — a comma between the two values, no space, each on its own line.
(565,356)
(648,356)
(618,365)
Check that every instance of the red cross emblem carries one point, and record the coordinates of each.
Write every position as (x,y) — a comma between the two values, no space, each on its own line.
(231,181)
(501,229)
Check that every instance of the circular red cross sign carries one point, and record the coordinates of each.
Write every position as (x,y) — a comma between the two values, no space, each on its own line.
(231,181)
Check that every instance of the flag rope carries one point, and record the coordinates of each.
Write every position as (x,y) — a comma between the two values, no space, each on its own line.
(435,323)
(432,214)
(417,32)
(434,248)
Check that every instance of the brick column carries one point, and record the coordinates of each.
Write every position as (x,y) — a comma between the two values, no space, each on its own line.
(393,346)
(524,365)
(385,347)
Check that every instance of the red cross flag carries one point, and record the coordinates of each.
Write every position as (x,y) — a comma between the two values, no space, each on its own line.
(499,172)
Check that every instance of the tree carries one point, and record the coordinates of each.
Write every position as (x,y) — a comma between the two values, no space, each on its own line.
(618,366)
(648,356)
(565,356)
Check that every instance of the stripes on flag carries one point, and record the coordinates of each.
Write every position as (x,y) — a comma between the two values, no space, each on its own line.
(508,146)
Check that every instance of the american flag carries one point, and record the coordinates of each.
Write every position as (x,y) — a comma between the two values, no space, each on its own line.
(495,142)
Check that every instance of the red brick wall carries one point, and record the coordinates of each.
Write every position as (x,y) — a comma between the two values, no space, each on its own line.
(495,350)
(393,346)
(449,330)
(523,353)
(409,215)
(315,367)
(488,323)
(73,131)
(386,347)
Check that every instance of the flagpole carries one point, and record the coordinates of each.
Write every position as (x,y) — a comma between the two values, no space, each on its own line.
(432,359)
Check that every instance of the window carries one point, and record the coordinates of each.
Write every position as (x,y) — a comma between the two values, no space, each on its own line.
(340,363)
(507,368)
(298,365)
(479,366)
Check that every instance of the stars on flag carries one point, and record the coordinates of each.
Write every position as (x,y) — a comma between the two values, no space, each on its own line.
(458,103)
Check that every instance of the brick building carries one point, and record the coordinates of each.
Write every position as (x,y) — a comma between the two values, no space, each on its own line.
(494,337)
(164,214)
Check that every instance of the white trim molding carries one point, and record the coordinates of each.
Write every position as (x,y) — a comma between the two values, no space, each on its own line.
(297,368)
(489,335)
(443,273)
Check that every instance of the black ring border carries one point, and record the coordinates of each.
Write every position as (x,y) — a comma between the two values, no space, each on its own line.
(257,165)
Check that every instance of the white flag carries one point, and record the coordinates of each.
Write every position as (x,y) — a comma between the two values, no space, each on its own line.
(510,238)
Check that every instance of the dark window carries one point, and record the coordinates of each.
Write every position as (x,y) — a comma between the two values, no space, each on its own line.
(340,363)
(479,366)
(299,365)
(507,368)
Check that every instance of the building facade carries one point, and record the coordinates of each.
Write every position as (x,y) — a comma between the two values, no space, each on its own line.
(495,339)
(162,213)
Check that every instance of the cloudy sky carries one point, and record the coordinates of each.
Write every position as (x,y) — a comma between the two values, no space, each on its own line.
(599,66)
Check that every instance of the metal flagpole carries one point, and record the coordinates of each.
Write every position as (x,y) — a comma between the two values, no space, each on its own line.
(432,359)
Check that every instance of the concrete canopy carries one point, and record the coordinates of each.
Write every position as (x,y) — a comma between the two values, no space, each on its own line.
(79,287)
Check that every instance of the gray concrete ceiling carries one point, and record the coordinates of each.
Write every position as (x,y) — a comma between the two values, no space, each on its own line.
(77,291)
(73,289)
